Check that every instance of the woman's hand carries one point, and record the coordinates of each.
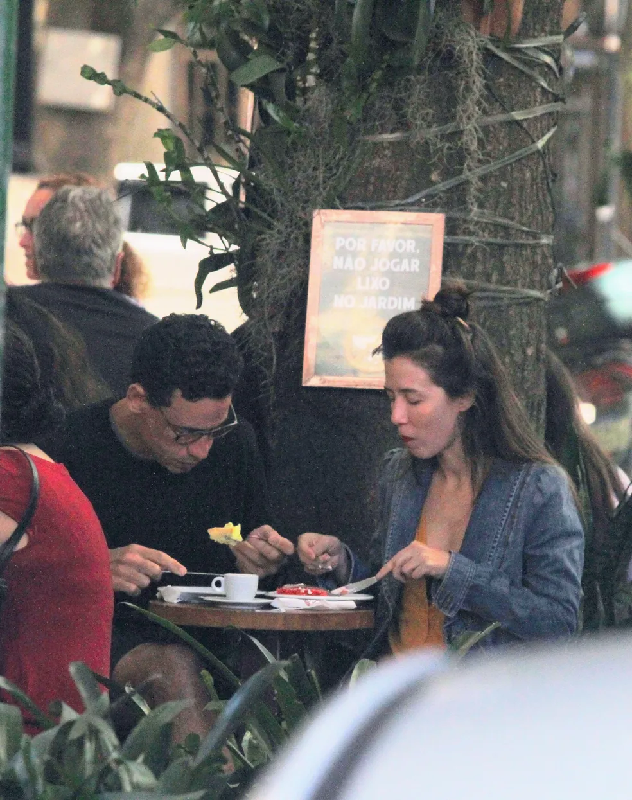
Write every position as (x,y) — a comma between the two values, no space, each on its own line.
(416,561)
(321,554)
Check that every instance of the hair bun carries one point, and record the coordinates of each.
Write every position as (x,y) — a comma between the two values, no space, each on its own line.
(452,301)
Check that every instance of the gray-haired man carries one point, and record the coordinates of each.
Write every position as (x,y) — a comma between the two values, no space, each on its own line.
(77,243)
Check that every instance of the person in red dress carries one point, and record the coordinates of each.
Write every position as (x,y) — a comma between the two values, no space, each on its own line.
(59,602)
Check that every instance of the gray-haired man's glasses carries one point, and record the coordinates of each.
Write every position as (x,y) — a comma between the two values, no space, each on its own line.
(184,436)
(24,225)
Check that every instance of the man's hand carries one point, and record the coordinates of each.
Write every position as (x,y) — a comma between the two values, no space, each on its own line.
(415,562)
(262,552)
(133,567)
(321,554)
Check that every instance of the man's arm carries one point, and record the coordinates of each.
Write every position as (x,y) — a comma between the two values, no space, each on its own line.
(263,552)
(133,567)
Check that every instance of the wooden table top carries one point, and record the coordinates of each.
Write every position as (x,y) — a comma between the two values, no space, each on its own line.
(263,619)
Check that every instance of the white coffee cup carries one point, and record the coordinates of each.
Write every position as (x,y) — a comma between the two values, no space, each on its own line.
(240,588)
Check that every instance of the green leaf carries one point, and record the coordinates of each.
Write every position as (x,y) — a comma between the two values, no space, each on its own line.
(398,22)
(363,666)
(175,777)
(360,31)
(91,74)
(151,738)
(292,710)
(167,139)
(238,708)
(271,659)
(119,88)
(464,643)
(18,695)
(265,726)
(211,263)
(93,698)
(10,732)
(160,45)
(486,169)
(298,676)
(280,116)
(153,795)
(231,50)
(515,62)
(220,286)
(169,34)
(152,175)
(255,68)
(422,32)
(256,12)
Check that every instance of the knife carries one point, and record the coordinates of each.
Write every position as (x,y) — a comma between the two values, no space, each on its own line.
(350,588)
(206,574)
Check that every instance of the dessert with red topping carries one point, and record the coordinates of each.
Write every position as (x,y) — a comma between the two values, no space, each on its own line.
(302,590)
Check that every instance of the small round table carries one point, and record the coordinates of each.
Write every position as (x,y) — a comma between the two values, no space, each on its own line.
(263,619)
(282,632)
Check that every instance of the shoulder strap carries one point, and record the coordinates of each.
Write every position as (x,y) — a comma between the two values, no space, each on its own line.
(6,550)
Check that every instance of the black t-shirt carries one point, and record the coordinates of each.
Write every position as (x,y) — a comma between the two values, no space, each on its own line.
(109,323)
(140,502)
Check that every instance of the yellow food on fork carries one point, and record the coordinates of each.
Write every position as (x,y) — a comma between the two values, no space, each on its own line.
(230,534)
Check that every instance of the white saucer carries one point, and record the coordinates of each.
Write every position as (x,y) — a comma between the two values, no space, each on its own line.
(327,598)
(222,599)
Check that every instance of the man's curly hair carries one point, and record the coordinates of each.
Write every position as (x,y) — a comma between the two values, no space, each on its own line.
(189,352)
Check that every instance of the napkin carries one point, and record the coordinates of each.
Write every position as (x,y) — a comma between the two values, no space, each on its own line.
(329,604)
(182,594)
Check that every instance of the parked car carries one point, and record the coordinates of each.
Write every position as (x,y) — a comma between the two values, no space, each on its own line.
(539,722)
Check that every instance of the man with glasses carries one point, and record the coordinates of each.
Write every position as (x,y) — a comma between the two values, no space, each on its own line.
(161,466)
(72,239)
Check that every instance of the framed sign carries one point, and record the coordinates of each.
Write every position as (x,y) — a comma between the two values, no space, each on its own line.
(365,267)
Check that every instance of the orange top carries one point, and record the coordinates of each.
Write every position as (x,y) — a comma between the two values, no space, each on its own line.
(419,624)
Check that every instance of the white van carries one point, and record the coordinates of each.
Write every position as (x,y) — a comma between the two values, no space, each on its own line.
(154,236)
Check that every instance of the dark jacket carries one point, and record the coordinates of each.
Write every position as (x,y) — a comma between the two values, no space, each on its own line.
(520,563)
(109,323)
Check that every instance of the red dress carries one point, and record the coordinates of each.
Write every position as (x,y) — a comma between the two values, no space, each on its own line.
(59,603)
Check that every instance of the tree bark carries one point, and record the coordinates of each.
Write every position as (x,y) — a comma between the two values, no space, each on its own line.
(328,443)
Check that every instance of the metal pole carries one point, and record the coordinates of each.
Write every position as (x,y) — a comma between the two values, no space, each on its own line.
(8,36)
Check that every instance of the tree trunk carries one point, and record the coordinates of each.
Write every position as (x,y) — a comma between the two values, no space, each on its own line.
(328,443)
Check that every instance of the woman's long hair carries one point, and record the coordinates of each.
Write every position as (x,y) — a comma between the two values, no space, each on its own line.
(460,358)
(563,419)
(29,408)
(61,354)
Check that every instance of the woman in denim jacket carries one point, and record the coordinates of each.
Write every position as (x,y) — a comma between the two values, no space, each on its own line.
(477,523)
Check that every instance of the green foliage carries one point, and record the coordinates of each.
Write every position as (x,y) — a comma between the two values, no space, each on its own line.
(270,47)
(462,645)
(322,73)
(80,756)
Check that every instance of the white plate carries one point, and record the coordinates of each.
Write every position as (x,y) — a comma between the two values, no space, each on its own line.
(257,601)
(201,590)
(325,597)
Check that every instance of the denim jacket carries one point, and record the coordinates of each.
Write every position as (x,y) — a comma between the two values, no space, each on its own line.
(520,563)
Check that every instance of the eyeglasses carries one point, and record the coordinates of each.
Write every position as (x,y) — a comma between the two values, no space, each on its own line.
(183,435)
(24,225)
